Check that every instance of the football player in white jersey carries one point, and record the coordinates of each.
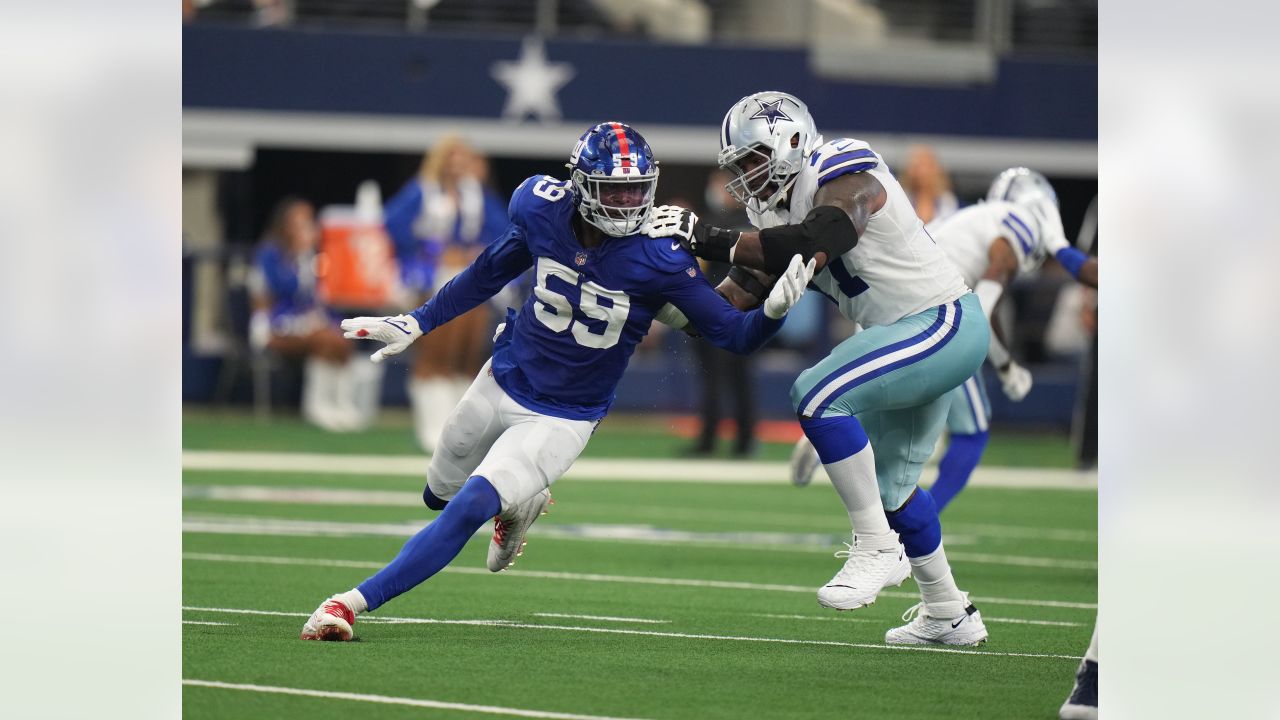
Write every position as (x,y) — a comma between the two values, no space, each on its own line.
(990,243)
(875,406)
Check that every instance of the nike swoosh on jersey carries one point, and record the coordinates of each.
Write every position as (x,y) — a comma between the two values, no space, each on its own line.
(675,246)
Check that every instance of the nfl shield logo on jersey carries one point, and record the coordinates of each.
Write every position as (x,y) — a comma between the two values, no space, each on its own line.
(691,272)
(580,259)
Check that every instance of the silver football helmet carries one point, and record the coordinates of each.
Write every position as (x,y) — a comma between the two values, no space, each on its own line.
(1024,187)
(765,139)
(1030,190)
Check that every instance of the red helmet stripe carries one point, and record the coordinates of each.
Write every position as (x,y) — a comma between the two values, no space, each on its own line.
(624,147)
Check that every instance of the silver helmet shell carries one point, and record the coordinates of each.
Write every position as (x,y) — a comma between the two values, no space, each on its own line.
(775,129)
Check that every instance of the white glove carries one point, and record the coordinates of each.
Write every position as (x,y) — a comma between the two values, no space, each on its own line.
(1015,380)
(789,287)
(671,221)
(397,332)
(497,333)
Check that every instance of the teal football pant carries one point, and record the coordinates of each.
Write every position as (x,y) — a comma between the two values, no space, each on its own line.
(896,380)
(970,411)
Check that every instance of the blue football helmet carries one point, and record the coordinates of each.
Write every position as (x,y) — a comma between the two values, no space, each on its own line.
(613,172)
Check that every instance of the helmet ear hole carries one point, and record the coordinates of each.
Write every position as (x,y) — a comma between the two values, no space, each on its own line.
(795,140)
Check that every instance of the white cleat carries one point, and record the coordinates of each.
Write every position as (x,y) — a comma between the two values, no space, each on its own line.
(960,624)
(331,621)
(804,462)
(866,572)
(509,529)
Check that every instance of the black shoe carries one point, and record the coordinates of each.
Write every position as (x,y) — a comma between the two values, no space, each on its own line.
(1083,703)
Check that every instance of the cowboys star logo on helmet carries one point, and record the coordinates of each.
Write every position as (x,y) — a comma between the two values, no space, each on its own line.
(765,140)
(770,112)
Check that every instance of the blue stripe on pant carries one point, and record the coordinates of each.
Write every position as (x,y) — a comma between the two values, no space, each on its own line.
(895,379)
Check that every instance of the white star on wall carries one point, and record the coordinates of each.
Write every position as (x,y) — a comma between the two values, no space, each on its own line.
(532,82)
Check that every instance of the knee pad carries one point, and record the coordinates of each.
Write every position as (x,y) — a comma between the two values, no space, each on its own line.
(835,438)
(917,523)
(466,426)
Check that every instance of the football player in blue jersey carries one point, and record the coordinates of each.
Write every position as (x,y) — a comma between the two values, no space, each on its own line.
(600,280)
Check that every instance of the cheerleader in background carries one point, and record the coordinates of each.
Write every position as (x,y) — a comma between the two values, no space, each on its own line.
(928,185)
(440,221)
(289,320)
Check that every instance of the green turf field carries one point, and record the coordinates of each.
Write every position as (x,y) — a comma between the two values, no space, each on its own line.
(635,599)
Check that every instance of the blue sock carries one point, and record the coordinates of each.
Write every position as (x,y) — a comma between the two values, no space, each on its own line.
(436,545)
(835,438)
(916,522)
(963,455)
(431,500)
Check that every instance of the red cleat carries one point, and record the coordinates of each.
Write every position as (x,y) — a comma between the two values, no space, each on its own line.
(331,621)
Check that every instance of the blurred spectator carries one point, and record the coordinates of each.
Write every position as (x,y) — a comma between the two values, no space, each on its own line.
(928,185)
(724,376)
(288,320)
(440,221)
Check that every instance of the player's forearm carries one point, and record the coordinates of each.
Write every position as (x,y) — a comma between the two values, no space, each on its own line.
(1081,266)
(745,288)
(724,324)
(464,292)
(826,232)
(499,264)
(1089,273)
(747,334)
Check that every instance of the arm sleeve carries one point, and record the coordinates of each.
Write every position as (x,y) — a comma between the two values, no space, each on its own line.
(714,317)
(500,263)
(399,214)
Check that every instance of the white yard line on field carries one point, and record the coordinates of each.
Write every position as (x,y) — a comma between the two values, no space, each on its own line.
(655,633)
(609,470)
(203,622)
(641,534)
(594,577)
(843,617)
(395,498)
(604,618)
(390,700)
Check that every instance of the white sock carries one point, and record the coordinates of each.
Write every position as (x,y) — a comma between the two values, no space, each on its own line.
(354,600)
(854,479)
(344,397)
(367,388)
(432,400)
(932,574)
(1092,653)
(319,381)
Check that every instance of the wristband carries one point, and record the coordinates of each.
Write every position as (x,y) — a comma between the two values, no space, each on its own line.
(1071,259)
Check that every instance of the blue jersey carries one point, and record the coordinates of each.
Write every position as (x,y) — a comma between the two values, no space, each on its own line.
(290,282)
(564,352)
